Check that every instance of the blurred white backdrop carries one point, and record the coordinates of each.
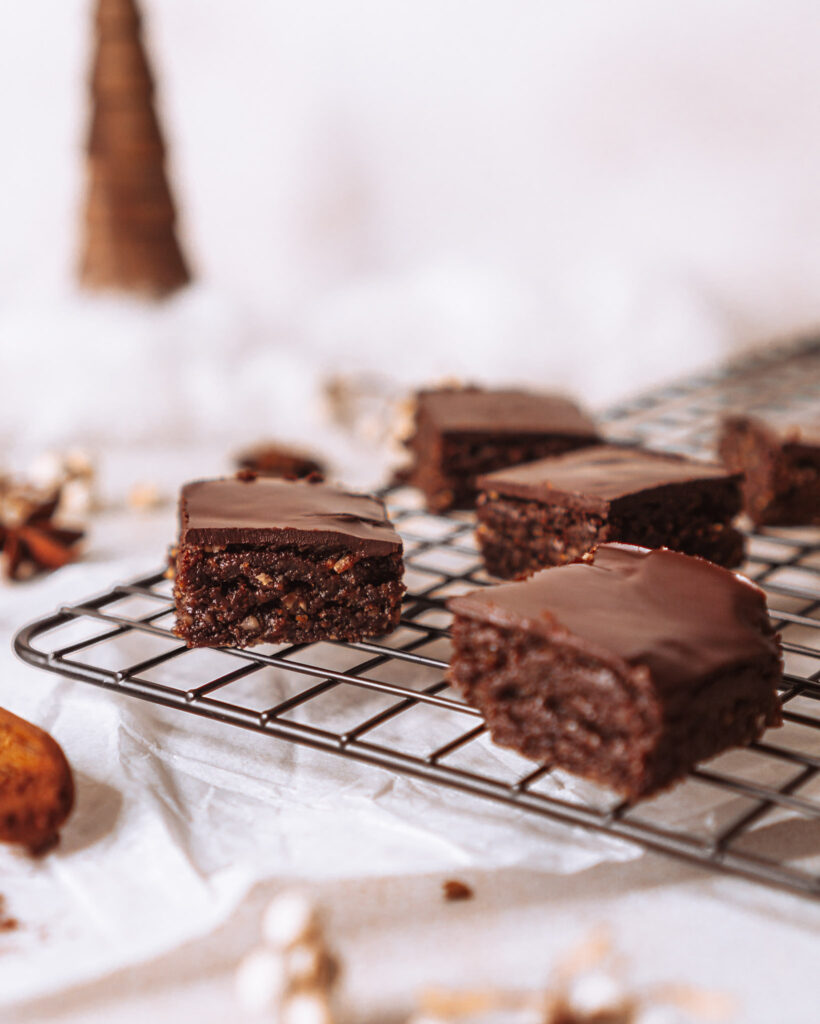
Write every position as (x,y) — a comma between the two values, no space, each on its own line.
(591,196)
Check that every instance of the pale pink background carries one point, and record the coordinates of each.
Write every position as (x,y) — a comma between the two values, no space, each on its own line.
(596,196)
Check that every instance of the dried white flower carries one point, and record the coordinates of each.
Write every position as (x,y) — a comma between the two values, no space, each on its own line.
(595,993)
(47,471)
(306,1008)
(308,965)
(261,981)
(290,918)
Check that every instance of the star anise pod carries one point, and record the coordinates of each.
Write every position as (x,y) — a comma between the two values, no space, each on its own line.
(30,539)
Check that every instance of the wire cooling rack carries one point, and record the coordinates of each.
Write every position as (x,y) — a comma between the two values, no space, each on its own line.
(753,812)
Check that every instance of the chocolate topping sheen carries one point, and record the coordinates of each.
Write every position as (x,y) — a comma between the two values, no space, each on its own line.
(232,511)
(603,472)
(476,411)
(682,617)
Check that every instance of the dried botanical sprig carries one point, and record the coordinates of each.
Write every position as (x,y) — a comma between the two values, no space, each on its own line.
(31,539)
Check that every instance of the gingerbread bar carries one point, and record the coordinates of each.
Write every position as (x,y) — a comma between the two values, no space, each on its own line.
(627,668)
(781,465)
(269,458)
(463,432)
(261,560)
(555,510)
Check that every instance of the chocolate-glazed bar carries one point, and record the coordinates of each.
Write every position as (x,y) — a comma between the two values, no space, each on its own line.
(261,560)
(269,458)
(462,432)
(781,466)
(627,668)
(555,510)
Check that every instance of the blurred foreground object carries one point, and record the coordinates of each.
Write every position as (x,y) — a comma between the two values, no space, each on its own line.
(292,976)
(587,986)
(130,241)
(70,475)
(36,787)
(269,458)
(32,538)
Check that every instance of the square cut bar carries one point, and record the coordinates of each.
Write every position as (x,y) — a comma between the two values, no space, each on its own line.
(781,464)
(627,668)
(261,560)
(462,432)
(269,458)
(555,510)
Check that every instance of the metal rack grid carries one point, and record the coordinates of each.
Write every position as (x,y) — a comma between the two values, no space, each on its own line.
(752,812)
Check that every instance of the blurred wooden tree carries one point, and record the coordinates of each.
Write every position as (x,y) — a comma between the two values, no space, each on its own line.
(129,232)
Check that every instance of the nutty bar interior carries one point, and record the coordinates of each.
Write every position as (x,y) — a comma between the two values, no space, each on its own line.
(545,699)
(554,511)
(301,563)
(626,669)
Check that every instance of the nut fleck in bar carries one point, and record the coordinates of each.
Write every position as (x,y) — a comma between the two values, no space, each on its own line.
(627,668)
(461,432)
(261,560)
(556,510)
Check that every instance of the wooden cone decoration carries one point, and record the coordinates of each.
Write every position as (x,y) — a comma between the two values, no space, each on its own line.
(130,241)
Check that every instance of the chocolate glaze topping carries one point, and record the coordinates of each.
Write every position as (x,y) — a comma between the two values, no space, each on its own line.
(260,510)
(602,473)
(476,411)
(682,617)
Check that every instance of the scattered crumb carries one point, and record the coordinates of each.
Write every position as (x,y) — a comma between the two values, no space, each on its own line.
(455,890)
(7,924)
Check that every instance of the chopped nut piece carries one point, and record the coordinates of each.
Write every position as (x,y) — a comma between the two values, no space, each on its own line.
(264,579)
(250,624)
(294,600)
(344,563)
